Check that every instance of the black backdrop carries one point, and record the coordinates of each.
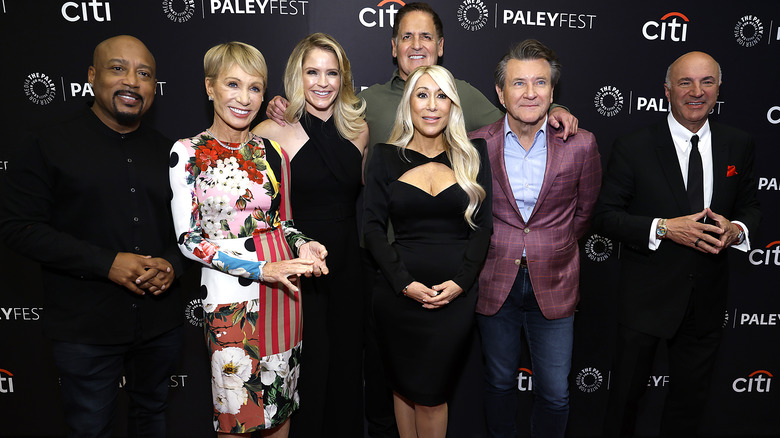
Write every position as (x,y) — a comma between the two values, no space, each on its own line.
(614,57)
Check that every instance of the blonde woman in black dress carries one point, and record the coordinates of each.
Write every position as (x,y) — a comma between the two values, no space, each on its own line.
(434,185)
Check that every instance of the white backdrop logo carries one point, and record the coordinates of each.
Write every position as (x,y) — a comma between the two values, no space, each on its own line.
(589,380)
(20,313)
(86,11)
(39,88)
(525,380)
(768,256)
(748,31)
(768,184)
(472,15)
(6,383)
(564,20)
(773,115)
(173,10)
(672,26)
(757,381)
(380,16)
(608,101)
(193,311)
(598,248)
(279,7)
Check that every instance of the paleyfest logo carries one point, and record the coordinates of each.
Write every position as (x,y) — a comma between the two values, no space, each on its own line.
(608,101)
(39,88)
(472,15)
(174,11)
(748,31)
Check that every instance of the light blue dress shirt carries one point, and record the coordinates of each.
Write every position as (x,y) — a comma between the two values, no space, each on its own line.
(525,169)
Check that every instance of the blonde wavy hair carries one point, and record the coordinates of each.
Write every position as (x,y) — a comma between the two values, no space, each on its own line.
(348,111)
(461,153)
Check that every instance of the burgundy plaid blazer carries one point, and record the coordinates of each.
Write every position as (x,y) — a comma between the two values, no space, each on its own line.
(572,180)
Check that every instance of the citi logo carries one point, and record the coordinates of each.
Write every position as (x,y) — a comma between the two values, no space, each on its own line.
(92,10)
(372,17)
(6,383)
(773,114)
(757,381)
(768,256)
(673,26)
(525,380)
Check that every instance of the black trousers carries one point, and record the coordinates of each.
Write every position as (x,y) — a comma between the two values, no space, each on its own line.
(691,362)
(91,376)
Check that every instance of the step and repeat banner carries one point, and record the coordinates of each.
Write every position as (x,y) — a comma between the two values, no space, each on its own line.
(614,57)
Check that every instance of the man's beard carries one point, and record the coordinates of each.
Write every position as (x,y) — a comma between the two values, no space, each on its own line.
(126,118)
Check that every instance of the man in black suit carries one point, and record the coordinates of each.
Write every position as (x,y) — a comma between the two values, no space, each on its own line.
(677,195)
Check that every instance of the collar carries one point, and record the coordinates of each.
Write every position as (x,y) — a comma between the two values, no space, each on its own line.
(681,134)
(396,81)
(541,131)
(101,127)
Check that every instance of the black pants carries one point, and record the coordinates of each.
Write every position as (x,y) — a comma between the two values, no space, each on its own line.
(91,376)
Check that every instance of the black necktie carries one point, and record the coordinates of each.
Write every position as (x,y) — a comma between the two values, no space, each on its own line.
(695,177)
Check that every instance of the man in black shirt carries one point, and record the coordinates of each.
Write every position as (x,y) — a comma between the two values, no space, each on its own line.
(88,198)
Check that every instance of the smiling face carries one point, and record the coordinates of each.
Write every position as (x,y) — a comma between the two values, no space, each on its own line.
(430,108)
(123,82)
(321,82)
(417,43)
(692,90)
(237,97)
(527,92)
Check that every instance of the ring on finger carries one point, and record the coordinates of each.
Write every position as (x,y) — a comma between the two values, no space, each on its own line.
(696,243)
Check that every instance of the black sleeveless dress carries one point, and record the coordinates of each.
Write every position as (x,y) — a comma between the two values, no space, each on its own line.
(326,180)
(423,349)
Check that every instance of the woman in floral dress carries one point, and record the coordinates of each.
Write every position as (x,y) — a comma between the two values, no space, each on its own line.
(231,212)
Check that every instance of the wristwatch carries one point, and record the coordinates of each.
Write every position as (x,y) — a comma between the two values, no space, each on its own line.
(741,235)
(660,229)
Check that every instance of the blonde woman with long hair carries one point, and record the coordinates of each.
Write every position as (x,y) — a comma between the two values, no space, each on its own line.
(325,136)
(435,186)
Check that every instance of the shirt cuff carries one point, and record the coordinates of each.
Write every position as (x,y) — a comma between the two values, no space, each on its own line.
(745,245)
(654,242)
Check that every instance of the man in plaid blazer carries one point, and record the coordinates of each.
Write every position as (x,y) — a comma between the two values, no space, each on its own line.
(544,190)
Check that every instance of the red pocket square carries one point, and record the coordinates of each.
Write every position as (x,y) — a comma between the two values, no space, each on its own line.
(731,171)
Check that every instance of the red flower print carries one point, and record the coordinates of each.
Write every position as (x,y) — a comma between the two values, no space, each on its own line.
(204,251)
(731,171)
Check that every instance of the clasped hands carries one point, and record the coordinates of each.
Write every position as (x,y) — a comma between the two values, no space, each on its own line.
(310,261)
(435,296)
(711,237)
(140,273)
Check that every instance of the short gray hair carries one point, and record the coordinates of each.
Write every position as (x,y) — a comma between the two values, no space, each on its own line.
(528,50)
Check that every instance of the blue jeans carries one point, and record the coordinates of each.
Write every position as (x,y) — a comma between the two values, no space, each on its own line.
(550,345)
(90,376)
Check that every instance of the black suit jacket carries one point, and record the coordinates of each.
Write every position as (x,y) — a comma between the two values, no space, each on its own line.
(642,182)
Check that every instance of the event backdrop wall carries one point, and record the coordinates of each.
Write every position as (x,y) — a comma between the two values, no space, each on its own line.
(614,56)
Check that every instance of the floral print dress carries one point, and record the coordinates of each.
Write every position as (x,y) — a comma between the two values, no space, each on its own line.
(231,213)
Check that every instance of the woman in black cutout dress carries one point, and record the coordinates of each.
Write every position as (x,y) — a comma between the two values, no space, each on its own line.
(424,303)
(325,136)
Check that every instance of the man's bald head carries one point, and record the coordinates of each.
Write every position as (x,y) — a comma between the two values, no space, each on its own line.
(123,81)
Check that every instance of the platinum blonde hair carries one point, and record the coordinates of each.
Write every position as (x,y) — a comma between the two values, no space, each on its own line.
(349,110)
(461,153)
(223,56)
